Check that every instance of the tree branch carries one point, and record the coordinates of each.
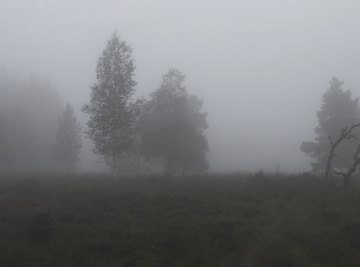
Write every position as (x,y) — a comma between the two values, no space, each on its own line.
(345,134)
(330,140)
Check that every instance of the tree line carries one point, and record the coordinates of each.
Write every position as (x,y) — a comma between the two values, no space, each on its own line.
(165,130)
(36,132)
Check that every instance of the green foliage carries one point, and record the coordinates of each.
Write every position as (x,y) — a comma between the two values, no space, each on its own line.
(172,127)
(338,110)
(110,109)
(193,221)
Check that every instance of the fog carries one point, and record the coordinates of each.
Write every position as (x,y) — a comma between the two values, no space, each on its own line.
(260,66)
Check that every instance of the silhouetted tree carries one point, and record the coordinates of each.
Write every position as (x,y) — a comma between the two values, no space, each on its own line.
(338,111)
(68,139)
(346,134)
(111,110)
(172,127)
(348,173)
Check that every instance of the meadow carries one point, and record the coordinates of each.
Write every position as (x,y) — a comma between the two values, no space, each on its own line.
(214,220)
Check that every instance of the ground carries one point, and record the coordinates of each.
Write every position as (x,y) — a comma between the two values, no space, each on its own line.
(216,220)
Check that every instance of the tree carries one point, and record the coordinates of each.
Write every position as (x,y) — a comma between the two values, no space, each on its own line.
(338,111)
(172,127)
(111,111)
(348,173)
(27,128)
(345,134)
(68,139)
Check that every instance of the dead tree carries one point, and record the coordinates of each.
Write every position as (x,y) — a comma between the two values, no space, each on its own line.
(347,175)
(345,134)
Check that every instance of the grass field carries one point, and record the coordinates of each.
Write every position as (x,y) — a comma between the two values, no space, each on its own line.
(199,221)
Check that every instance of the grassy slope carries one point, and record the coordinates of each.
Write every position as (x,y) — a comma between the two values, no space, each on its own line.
(213,221)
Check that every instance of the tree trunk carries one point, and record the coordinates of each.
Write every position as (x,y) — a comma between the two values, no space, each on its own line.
(345,134)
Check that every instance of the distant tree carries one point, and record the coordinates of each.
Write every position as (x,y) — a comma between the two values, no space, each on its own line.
(172,127)
(111,111)
(29,110)
(68,139)
(338,112)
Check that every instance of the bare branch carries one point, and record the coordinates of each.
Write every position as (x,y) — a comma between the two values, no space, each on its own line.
(347,175)
(330,140)
(344,134)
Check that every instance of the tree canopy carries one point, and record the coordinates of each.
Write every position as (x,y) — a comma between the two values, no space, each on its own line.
(172,127)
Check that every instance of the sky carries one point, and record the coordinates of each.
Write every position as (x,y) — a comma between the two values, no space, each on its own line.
(260,66)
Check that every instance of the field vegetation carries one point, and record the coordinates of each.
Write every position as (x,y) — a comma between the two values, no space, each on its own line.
(214,220)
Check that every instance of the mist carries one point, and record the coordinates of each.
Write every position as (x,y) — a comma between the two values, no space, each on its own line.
(261,67)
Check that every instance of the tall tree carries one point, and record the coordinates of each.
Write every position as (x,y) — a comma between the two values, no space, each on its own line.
(111,111)
(68,139)
(338,112)
(172,127)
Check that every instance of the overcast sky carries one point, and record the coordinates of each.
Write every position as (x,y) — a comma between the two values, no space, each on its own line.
(261,66)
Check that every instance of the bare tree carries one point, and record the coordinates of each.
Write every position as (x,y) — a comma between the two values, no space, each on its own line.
(346,133)
(356,161)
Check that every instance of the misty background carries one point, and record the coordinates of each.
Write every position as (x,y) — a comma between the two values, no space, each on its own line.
(260,66)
